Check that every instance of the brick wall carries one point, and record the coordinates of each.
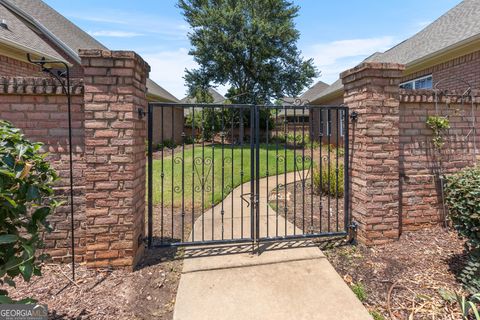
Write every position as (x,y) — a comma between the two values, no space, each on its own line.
(115,88)
(38,107)
(371,89)
(449,74)
(11,67)
(420,163)
(395,170)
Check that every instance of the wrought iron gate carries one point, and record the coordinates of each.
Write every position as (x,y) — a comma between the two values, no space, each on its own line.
(240,173)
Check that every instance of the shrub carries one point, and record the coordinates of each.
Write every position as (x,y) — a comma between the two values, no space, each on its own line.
(320,179)
(462,196)
(188,140)
(209,118)
(167,143)
(26,199)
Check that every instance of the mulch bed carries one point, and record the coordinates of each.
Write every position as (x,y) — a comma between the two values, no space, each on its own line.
(300,202)
(147,293)
(407,279)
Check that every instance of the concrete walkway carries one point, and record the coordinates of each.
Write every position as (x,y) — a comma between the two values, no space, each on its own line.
(291,280)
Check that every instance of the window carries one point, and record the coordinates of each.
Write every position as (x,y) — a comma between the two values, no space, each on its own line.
(419,83)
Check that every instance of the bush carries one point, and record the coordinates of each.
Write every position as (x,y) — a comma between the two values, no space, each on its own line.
(167,143)
(188,140)
(462,196)
(26,199)
(320,179)
(210,118)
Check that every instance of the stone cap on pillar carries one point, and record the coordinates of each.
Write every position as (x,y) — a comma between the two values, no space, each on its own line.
(372,70)
(374,75)
(115,54)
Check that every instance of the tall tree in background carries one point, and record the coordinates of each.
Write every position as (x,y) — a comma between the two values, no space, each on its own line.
(248,45)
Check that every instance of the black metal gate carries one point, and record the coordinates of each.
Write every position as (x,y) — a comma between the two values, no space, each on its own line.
(241,173)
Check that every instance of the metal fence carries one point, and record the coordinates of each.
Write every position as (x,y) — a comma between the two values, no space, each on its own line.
(244,173)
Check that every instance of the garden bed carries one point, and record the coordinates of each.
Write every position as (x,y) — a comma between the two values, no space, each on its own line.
(303,205)
(413,278)
(147,293)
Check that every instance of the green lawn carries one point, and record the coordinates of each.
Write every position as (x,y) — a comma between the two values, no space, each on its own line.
(193,166)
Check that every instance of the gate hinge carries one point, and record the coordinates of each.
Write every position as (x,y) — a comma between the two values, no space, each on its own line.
(141,113)
(354,115)
(353,226)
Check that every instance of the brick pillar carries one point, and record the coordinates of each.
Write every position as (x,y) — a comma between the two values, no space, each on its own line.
(372,90)
(115,88)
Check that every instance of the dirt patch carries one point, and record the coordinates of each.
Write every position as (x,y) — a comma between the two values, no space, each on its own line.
(147,293)
(302,205)
(177,224)
(409,279)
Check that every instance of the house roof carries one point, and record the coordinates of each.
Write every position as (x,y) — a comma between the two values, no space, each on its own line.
(457,26)
(20,36)
(66,31)
(29,20)
(158,93)
(217,97)
(315,90)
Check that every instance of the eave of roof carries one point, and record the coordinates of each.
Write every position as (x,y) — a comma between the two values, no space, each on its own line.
(156,92)
(42,28)
(21,48)
(444,47)
(217,97)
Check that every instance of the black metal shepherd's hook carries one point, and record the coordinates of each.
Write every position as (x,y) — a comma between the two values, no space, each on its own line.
(60,76)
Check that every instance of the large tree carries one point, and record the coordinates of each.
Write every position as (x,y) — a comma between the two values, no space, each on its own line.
(248,45)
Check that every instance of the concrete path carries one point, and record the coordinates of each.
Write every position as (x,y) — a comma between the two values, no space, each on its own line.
(288,280)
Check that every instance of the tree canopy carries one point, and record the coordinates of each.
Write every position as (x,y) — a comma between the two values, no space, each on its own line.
(247,45)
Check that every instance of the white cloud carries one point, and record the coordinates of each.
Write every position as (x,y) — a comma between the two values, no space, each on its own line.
(168,69)
(168,28)
(331,58)
(115,34)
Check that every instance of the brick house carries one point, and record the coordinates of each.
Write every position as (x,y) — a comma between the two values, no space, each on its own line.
(444,55)
(31,26)
(107,89)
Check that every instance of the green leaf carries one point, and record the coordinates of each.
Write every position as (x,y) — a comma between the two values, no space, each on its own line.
(9,200)
(10,282)
(4,299)
(29,250)
(26,270)
(32,193)
(27,301)
(40,214)
(8,238)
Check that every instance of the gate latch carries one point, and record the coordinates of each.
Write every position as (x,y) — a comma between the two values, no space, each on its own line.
(246,200)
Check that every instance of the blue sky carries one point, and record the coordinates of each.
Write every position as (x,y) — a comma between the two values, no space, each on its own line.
(337,34)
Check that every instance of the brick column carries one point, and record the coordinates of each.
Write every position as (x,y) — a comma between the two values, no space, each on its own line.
(115,88)
(371,90)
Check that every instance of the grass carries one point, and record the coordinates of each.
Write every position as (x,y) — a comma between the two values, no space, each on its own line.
(377,315)
(359,291)
(212,158)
